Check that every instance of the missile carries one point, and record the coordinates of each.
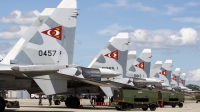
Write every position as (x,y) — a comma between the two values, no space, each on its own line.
(107,73)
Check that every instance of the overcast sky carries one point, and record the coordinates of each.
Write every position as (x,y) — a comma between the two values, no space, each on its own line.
(169,28)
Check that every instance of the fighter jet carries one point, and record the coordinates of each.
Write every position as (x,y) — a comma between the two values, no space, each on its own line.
(44,54)
(174,78)
(182,83)
(140,70)
(163,73)
(114,56)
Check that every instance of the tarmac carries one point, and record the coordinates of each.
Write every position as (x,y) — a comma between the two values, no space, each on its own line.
(31,105)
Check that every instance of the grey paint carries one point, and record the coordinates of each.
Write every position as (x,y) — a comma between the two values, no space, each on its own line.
(122,58)
(22,58)
(101,59)
(157,75)
(67,34)
(132,68)
(168,74)
(37,39)
(177,79)
(146,66)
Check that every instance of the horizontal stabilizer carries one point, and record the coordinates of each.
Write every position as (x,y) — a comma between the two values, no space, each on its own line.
(32,68)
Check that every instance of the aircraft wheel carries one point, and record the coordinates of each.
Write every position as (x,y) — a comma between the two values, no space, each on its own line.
(152,107)
(2,104)
(74,102)
(57,102)
(180,105)
(145,109)
(196,101)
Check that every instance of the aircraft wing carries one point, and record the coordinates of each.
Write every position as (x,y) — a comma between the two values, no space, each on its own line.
(31,70)
(89,81)
(39,70)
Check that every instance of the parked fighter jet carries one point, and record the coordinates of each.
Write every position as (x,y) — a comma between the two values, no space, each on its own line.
(140,69)
(174,78)
(44,53)
(182,83)
(163,73)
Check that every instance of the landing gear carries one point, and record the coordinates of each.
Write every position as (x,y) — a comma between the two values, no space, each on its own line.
(72,102)
(2,104)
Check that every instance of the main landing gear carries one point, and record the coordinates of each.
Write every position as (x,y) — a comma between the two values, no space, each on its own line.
(72,102)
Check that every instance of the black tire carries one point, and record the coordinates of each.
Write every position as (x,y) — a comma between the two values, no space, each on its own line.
(152,107)
(74,102)
(57,102)
(196,101)
(145,109)
(180,105)
(2,104)
(173,106)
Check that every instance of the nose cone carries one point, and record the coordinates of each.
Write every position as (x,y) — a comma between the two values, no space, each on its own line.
(107,73)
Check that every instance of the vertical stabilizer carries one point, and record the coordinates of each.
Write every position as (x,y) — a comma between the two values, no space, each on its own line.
(155,68)
(182,80)
(130,59)
(48,41)
(164,73)
(175,76)
(113,55)
(141,67)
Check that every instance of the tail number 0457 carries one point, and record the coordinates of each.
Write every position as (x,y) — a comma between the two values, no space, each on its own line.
(46,52)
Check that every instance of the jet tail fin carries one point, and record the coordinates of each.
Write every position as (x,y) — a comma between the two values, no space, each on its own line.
(130,59)
(182,80)
(141,67)
(114,54)
(155,68)
(164,73)
(174,77)
(48,41)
